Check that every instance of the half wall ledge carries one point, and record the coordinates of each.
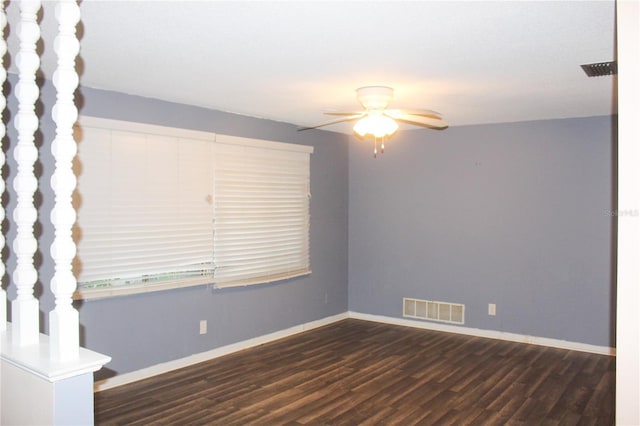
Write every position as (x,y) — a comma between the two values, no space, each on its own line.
(37,360)
(37,389)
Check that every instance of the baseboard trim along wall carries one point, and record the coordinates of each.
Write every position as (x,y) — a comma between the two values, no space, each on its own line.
(154,370)
(123,379)
(491,334)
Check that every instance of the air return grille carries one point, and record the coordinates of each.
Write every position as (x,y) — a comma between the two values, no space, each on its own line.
(435,311)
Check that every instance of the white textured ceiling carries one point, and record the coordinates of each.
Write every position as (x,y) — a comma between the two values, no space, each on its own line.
(475,61)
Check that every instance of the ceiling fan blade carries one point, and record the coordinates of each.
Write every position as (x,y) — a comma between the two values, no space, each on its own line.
(399,113)
(344,113)
(428,122)
(342,120)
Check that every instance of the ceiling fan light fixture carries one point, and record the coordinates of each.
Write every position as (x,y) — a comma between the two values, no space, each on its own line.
(378,126)
(374,97)
(377,121)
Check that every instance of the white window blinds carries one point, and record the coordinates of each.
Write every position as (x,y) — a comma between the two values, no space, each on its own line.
(160,208)
(261,211)
(144,208)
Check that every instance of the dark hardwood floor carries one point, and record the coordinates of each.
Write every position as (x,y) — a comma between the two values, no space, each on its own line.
(357,373)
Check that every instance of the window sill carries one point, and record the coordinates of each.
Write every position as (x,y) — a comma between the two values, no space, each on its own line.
(127,290)
(113,291)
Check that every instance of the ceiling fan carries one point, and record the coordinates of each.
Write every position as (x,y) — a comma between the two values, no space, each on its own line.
(380,122)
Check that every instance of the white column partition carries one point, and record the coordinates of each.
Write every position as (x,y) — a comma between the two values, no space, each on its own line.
(25,314)
(63,320)
(3,104)
(48,379)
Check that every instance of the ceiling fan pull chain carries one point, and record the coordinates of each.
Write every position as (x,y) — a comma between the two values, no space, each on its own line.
(375,147)
(382,146)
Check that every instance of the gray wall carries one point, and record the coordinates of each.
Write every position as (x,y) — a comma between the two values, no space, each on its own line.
(143,330)
(514,214)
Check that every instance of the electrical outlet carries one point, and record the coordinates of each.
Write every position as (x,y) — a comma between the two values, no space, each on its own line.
(492,309)
(203,326)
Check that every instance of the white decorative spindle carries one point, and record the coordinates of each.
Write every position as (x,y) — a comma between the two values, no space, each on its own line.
(64,323)
(25,315)
(3,104)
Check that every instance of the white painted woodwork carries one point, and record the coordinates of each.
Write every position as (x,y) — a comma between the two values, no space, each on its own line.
(25,315)
(491,334)
(63,320)
(3,131)
(628,283)
(165,367)
(44,379)
(38,389)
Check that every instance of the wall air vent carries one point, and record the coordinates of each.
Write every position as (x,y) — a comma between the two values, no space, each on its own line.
(452,313)
(600,69)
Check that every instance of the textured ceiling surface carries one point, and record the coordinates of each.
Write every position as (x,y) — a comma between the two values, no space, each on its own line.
(474,61)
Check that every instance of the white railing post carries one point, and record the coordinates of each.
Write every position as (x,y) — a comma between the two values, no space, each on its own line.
(63,320)
(3,131)
(25,315)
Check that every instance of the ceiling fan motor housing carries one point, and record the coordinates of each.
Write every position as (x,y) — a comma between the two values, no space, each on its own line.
(374,97)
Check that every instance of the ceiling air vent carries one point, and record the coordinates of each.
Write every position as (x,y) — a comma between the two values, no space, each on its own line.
(600,69)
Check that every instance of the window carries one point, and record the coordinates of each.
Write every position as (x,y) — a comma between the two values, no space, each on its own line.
(163,208)
(261,212)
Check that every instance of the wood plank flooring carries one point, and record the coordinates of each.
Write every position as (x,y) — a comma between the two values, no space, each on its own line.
(363,373)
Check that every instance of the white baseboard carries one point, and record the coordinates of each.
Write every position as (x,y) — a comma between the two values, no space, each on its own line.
(144,373)
(491,334)
(123,379)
